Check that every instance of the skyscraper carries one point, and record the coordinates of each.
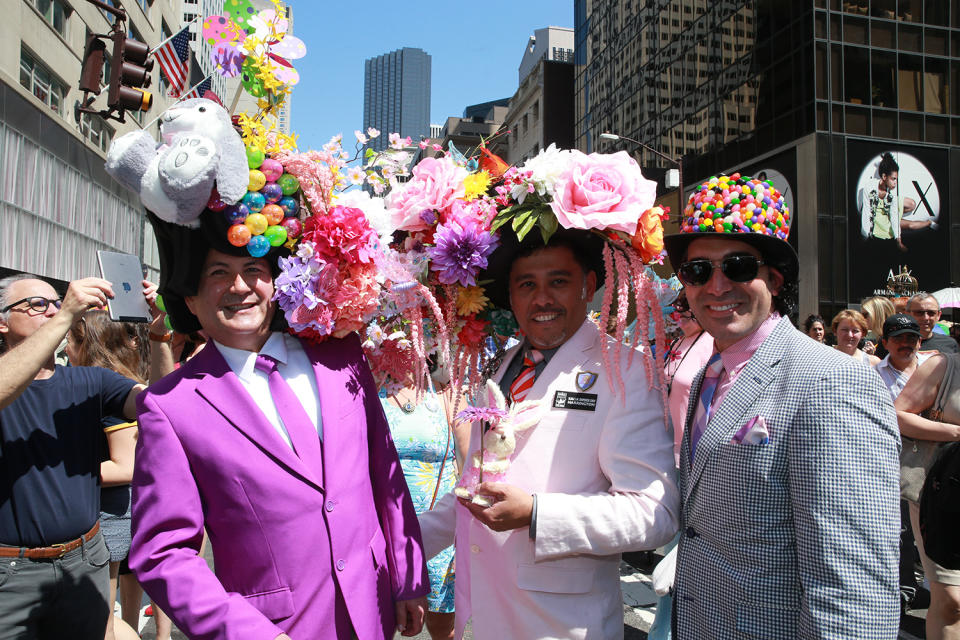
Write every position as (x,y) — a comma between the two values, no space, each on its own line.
(396,94)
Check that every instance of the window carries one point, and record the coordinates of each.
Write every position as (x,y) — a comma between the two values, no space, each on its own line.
(96,130)
(54,12)
(38,80)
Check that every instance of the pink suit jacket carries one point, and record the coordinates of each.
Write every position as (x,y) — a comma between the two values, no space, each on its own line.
(293,553)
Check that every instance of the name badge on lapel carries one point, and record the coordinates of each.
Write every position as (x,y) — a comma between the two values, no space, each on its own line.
(571,400)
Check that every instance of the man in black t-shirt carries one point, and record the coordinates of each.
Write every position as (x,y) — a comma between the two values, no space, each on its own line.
(53,561)
(926,311)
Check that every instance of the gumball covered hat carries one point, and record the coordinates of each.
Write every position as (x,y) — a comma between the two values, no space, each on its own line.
(738,208)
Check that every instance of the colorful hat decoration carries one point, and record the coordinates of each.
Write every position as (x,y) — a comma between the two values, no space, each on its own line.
(737,204)
(740,208)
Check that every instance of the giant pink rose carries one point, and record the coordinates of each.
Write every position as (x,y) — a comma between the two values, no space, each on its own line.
(602,191)
(435,185)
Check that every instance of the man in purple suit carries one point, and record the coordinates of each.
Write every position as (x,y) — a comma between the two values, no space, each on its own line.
(280,450)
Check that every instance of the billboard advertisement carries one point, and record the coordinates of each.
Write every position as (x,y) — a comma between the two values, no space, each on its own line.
(897,215)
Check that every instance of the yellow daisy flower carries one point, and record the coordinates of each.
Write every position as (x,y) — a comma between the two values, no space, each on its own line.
(470,300)
(476,184)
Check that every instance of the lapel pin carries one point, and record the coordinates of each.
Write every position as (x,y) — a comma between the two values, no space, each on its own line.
(585,380)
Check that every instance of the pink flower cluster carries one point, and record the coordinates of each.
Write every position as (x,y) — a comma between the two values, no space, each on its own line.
(343,232)
(436,184)
(316,172)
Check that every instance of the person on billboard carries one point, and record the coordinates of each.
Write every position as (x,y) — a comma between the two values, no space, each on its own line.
(882,210)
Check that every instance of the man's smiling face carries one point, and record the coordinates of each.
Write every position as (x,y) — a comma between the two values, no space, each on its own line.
(549,293)
(728,310)
(233,301)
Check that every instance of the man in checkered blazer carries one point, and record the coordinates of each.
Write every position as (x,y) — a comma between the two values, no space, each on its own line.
(789,469)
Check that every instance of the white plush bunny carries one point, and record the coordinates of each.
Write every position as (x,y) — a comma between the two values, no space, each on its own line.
(498,443)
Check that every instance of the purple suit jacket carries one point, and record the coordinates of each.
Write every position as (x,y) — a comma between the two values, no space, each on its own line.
(293,553)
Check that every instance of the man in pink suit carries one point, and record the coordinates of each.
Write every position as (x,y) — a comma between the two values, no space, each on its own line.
(306,546)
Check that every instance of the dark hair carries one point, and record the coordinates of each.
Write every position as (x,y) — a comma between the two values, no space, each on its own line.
(811,320)
(887,164)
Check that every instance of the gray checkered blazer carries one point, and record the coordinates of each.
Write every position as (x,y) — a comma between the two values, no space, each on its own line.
(796,538)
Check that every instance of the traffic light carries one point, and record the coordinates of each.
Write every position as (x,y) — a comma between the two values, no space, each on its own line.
(130,67)
(94,55)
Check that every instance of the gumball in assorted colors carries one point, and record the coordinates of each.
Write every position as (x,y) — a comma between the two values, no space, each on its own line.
(272,192)
(273,213)
(258,246)
(239,235)
(289,184)
(215,203)
(276,235)
(257,223)
(293,226)
(289,206)
(272,169)
(236,213)
(257,180)
(254,201)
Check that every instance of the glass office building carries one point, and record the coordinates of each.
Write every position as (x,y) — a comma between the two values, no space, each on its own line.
(813,94)
(396,95)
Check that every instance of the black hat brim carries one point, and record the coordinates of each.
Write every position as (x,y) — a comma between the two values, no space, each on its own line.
(588,246)
(776,253)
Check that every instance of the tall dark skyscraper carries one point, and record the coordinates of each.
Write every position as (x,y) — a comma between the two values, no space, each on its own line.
(396,94)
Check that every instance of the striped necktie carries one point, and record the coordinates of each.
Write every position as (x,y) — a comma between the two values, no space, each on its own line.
(707,389)
(524,381)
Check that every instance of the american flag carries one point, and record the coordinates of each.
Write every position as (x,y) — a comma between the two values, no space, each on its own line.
(198,91)
(173,56)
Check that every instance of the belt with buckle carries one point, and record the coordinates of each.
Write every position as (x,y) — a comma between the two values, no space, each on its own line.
(53,551)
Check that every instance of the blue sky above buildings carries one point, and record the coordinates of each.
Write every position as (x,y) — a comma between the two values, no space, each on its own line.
(476,50)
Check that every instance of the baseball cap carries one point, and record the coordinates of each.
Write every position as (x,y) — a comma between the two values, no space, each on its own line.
(898,324)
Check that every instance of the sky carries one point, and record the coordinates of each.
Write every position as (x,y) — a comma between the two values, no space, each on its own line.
(475,48)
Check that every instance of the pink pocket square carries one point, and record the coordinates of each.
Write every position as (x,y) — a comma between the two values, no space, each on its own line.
(754,432)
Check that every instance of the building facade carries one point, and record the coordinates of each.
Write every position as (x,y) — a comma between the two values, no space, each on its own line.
(58,204)
(813,94)
(396,95)
(541,111)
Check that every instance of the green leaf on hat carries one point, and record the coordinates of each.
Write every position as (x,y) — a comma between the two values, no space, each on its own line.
(520,220)
(548,225)
(526,226)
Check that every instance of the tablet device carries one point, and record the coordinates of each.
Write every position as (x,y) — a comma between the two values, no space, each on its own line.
(125,272)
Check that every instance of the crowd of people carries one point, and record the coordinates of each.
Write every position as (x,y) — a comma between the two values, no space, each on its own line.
(772,479)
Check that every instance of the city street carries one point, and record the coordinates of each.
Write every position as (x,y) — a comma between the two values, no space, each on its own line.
(639,602)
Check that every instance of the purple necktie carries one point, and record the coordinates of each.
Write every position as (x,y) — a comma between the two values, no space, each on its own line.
(306,440)
(709,387)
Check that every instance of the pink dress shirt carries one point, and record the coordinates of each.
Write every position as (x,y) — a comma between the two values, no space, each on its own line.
(736,356)
(689,356)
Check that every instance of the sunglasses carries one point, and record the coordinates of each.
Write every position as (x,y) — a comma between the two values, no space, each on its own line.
(739,268)
(36,303)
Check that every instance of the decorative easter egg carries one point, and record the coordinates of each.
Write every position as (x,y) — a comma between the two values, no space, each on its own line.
(215,203)
(276,235)
(236,213)
(255,157)
(289,184)
(257,223)
(254,201)
(293,227)
(239,235)
(257,180)
(258,246)
(272,192)
(272,169)
(273,213)
(289,206)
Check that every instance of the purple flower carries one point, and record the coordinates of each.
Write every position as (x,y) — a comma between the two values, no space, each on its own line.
(428,216)
(482,414)
(461,251)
